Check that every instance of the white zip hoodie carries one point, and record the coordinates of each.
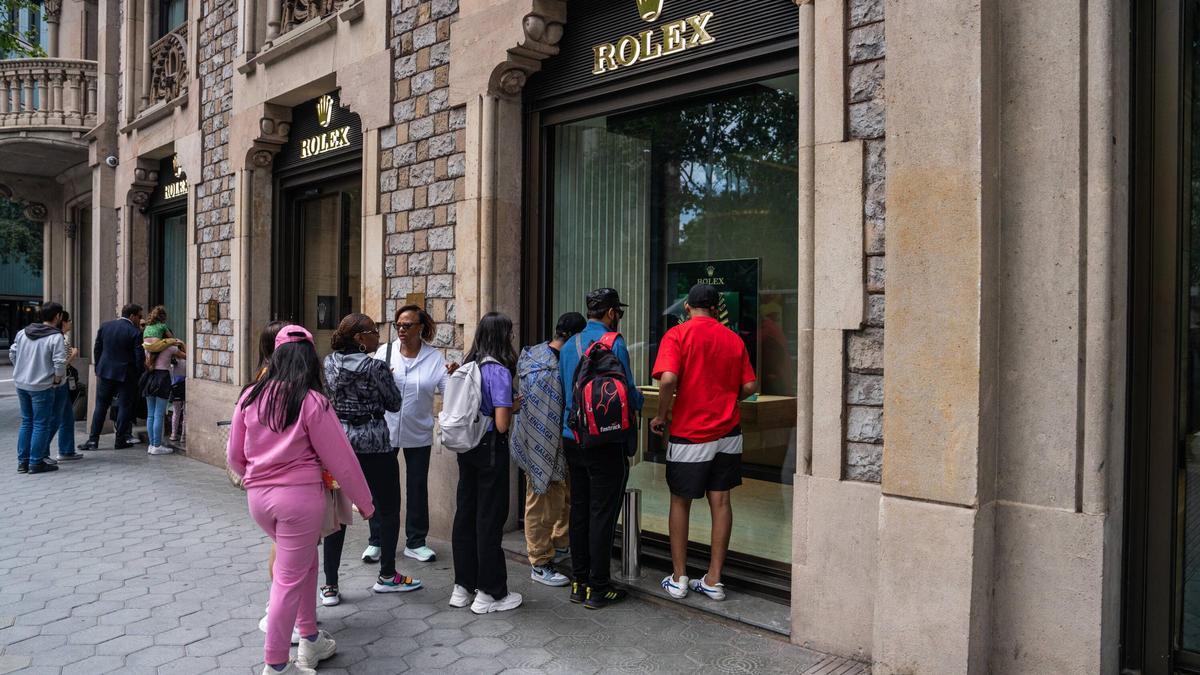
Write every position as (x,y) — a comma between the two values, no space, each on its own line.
(419,382)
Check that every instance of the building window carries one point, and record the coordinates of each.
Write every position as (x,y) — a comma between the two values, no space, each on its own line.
(652,201)
(171,15)
(25,24)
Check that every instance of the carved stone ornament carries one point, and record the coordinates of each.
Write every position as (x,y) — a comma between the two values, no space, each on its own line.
(273,128)
(52,10)
(36,211)
(168,66)
(139,198)
(296,12)
(512,81)
(262,158)
(542,35)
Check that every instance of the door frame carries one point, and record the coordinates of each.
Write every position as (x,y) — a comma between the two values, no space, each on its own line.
(1157,320)
(157,217)
(756,575)
(287,277)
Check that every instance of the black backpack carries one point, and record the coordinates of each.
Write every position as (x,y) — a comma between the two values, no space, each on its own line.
(601,412)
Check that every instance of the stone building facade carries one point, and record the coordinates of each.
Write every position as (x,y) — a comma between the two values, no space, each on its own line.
(948,496)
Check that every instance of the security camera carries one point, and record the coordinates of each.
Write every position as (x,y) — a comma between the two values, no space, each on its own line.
(111,160)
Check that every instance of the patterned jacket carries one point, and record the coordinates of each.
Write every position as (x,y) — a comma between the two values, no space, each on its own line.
(536,441)
(361,389)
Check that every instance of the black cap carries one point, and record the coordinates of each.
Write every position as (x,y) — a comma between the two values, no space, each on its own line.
(603,298)
(704,296)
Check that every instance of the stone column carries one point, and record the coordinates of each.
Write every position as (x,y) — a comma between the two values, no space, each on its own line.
(932,610)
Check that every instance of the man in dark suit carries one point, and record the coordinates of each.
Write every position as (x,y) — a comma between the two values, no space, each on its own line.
(118,358)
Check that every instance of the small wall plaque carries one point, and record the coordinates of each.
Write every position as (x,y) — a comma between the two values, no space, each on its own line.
(214,311)
(417,299)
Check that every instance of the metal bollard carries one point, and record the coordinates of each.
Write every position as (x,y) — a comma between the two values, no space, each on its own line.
(631,535)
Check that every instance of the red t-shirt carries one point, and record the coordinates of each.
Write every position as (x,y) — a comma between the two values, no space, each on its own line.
(712,365)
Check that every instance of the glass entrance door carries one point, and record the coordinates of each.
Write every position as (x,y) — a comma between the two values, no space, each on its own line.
(650,202)
(318,268)
(174,272)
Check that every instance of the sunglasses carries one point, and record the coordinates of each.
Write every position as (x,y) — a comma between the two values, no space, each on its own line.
(372,331)
(406,326)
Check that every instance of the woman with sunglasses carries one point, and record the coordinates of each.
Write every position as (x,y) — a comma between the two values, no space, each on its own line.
(362,391)
(420,372)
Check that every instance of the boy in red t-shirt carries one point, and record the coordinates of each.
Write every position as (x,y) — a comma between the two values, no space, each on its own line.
(703,371)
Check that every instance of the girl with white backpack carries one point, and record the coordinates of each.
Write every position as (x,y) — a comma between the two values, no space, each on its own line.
(475,419)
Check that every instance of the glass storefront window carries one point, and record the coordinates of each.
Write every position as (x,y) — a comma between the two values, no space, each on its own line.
(652,201)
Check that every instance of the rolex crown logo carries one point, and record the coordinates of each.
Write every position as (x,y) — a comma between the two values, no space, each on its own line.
(649,9)
(710,269)
(175,165)
(324,110)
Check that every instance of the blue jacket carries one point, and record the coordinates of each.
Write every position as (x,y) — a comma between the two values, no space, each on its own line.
(118,353)
(568,361)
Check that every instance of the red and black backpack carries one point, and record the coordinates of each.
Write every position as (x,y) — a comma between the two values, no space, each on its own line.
(601,413)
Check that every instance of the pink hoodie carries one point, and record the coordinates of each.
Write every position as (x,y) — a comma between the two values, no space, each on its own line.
(296,455)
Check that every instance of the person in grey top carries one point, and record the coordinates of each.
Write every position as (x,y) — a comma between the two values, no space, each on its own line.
(361,389)
(39,358)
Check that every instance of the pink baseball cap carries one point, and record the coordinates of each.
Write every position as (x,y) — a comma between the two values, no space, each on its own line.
(292,333)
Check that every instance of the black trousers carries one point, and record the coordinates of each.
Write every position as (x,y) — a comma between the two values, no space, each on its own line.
(416,486)
(383,477)
(479,517)
(127,396)
(598,477)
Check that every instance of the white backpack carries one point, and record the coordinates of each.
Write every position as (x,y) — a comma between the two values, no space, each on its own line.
(461,425)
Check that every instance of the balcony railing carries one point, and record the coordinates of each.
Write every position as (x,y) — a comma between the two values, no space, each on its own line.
(51,93)
(168,66)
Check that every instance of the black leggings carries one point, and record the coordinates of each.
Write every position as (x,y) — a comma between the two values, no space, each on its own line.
(383,477)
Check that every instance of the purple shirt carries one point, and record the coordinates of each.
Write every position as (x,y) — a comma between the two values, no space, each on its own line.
(496,388)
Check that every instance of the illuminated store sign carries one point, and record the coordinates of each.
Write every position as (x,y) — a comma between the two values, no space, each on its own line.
(653,43)
(327,141)
(178,187)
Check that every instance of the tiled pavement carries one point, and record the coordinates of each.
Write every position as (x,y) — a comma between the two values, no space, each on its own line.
(134,564)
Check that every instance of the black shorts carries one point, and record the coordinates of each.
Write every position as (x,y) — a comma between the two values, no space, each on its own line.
(694,469)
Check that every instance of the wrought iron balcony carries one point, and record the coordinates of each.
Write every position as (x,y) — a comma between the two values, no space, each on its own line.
(50,94)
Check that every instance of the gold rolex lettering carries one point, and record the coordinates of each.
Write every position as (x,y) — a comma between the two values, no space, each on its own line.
(334,139)
(670,38)
(177,189)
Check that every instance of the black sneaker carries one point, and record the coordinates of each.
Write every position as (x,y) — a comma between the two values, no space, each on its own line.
(50,460)
(578,590)
(599,598)
(71,457)
(42,467)
(22,467)
(89,446)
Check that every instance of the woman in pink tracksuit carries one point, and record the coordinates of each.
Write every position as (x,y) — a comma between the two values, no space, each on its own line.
(283,433)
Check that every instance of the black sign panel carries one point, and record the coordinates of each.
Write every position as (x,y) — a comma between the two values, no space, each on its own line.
(321,129)
(607,41)
(173,183)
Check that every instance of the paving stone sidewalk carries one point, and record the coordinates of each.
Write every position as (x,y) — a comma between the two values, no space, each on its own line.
(126,563)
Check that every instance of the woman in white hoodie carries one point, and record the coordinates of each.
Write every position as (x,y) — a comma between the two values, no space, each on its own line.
(420,373)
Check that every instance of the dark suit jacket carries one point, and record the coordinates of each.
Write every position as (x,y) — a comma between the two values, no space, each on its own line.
(118,353)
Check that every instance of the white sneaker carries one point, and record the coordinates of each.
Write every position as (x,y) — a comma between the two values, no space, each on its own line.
(158,450)
(371,554)
(262,626)
(712,592)
(485,604)
(546,574)
(312,652)
(677,589)
(291,669)
(330,596)
(460,597)
(422,553)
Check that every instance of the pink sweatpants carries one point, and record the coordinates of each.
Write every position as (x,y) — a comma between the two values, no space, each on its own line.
(291,515)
